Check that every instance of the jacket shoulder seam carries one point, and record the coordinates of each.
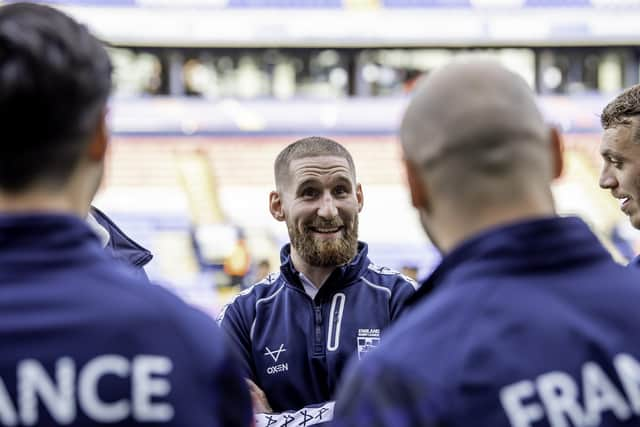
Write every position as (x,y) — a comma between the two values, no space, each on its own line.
(386,271)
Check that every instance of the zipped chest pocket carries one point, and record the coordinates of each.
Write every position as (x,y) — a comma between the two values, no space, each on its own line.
(330,342)
(336,312)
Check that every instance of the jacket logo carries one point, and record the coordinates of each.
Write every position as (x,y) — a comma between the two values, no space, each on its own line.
(367,340)
(275,354)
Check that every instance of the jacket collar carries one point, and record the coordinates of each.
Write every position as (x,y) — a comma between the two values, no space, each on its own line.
(527,246)
(340,277)
(101,231)
(118,244)
(32,240)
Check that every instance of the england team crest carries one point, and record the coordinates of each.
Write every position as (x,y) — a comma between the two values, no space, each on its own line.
(368,339)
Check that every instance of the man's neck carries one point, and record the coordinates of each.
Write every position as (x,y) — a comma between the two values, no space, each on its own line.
(316,275)
(454,230)
(39,202)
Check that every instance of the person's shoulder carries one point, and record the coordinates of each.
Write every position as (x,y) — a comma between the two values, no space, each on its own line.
(376,275)
(145,313)
(264,290)
(111,287)
(401,354)
(422,330)
(609,286)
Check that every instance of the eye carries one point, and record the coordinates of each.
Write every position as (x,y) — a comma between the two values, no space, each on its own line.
(308,193)
(614,162)
(341,190)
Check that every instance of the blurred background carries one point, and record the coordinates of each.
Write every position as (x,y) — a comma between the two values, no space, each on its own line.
(207,92)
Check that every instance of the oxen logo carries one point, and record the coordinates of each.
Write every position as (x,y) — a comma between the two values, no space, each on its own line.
(275,354)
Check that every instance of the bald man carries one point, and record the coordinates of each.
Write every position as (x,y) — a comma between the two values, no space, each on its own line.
(527,322)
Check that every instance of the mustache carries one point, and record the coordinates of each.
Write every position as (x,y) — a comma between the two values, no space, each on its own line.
(323,223)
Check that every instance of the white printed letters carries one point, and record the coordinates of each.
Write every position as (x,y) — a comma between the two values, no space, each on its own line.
(567,403)
(57,393)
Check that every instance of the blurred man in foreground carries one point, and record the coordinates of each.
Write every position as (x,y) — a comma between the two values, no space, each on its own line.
(296,329)
(620,150)
(82,344)
(527,322)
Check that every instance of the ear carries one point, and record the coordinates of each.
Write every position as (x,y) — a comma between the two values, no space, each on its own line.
(416,186)
(359,197)
(97,149)
(557,150)
(275,206)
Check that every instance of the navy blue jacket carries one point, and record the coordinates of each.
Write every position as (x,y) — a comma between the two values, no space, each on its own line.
(82,345)
(529,325)
(122,247)
(295,348)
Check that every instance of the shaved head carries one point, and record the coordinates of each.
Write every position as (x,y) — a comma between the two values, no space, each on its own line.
(472,123)
(478,152)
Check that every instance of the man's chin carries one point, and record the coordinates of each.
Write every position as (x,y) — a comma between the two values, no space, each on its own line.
(327,240)
(329,260)
(329,253)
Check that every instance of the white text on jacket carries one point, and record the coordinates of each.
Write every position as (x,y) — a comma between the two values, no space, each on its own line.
(565,401)
(74,388)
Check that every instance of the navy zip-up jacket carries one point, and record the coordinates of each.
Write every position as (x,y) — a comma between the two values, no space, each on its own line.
(122,247)
(84,343)
(295,348)
(527,325)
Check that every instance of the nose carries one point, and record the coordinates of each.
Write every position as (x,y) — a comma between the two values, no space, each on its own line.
(327,209)
(607,180)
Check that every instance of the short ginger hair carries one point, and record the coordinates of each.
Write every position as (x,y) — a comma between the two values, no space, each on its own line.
(313,146)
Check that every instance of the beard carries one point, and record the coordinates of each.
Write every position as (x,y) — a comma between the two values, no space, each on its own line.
(325,252)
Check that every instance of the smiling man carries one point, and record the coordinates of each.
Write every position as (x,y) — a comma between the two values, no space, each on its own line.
(620,150)
(296,329)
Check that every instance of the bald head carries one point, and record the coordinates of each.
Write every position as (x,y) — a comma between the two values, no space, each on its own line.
(467,104)
(475,125)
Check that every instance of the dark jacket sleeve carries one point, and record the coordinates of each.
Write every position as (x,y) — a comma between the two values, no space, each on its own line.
(234,404)
(374,395)
(236,321)
(403,290)
(213,392)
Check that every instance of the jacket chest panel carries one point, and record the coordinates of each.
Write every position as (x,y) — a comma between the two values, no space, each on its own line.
(295,330)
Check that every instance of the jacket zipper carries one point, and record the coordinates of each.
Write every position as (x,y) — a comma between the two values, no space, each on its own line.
(318,345)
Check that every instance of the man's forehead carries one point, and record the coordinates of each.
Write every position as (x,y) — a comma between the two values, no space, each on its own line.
(318,166)
(616,137)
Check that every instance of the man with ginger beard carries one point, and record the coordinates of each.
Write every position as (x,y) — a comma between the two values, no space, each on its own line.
(296,329)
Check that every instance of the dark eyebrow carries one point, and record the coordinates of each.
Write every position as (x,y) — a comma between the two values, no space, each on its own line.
(344,179)
(609,153)
(307,182)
